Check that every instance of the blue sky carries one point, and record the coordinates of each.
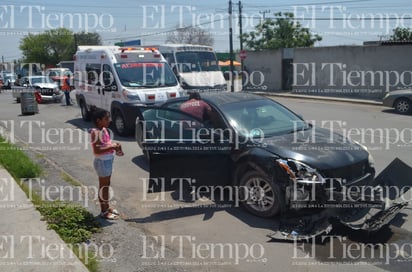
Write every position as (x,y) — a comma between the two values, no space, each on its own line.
(338,22)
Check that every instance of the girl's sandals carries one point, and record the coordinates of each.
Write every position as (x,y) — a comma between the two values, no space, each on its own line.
(114,211)
(109,215)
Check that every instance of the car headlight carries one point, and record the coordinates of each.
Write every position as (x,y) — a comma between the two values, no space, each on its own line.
(130,96)
(300,172)
(371,160)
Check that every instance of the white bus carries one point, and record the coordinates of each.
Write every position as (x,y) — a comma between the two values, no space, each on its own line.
(196,66)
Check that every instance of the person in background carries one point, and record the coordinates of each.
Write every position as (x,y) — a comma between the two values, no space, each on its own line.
(104,150)
(196,107)
(66,89)
(17,81)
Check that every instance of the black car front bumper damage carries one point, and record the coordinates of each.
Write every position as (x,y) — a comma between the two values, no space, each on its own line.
(388,196)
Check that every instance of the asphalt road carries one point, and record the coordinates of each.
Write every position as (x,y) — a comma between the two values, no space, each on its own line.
(212,236)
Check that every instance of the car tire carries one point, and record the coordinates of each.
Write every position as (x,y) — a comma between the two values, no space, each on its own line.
(85,112)
(260,195)
(403,106)
(119,123)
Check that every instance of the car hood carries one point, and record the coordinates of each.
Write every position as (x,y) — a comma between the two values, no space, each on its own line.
(203,79)
(317,147)
(45,85)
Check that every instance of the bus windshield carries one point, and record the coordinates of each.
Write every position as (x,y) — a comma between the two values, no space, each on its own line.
(196,62)
(145,75)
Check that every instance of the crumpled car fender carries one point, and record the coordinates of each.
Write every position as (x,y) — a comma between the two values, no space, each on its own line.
(391,188)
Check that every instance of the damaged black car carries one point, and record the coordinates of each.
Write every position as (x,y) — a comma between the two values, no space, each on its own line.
(278,163)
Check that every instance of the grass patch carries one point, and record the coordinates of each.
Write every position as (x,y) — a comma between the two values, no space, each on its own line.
(17,162)
(72,222)
(75,225)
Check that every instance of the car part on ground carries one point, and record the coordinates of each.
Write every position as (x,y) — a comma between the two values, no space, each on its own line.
(368,214)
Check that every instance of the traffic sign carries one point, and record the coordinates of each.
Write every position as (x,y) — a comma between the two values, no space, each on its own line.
(242,54)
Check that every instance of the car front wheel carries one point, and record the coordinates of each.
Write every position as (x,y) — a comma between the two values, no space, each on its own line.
(403,106)
(260,195)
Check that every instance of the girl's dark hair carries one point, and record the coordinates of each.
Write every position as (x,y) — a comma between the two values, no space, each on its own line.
(194,95)
(98,114)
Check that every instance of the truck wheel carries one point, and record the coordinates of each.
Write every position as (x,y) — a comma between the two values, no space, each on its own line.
(120,124)
(85,112)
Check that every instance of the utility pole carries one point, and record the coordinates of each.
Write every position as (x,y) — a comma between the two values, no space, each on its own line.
(232,81)
(75,41)
(264,14)
(240,34)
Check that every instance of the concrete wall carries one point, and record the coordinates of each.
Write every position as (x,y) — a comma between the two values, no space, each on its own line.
(355,71)
(264,70)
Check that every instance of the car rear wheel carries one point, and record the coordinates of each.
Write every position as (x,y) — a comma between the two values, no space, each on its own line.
(403,106)
(85,112)
(260,195)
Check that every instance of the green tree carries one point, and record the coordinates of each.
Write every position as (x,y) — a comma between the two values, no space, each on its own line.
(191,35)
(87,38)
(401,34)
(282,32)
(54,45)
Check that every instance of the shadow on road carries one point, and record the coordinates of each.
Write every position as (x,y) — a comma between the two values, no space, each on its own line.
(141,162)
(188,206)
(392,111)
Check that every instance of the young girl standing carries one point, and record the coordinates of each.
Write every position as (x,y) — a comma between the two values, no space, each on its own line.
(104,150)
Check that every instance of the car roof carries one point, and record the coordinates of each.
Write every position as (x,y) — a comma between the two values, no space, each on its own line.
(57,69)
(36,76)
(222,98)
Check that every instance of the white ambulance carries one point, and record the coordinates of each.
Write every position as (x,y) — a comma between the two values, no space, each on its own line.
(121,81)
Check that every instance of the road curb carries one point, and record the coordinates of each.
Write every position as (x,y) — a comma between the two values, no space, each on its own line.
(30,237)
(322,98)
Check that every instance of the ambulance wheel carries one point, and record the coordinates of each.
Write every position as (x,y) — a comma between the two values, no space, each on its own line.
(85,112)
(120,124)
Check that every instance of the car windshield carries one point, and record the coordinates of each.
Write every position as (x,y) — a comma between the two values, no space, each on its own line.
(262,118)
(10,77)
(35,80)
(145,75)
(196,61)
(57,73)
